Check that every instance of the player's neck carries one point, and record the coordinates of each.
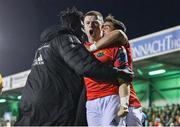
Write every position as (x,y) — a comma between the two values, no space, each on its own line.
(94,40)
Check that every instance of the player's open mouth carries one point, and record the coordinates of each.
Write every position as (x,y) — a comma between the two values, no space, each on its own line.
(91,32)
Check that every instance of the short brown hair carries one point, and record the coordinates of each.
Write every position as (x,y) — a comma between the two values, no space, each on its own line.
(94,13)
(116,23)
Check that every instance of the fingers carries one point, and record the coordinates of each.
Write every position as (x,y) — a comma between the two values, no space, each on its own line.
(123,111)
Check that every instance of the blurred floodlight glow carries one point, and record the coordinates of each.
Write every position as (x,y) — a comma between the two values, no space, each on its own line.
(156,72)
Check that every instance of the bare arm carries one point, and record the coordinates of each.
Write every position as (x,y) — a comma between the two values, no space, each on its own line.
(124,89)
(117,37)
(124,93)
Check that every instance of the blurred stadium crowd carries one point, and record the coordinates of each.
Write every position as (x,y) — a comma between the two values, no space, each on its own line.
(168,115)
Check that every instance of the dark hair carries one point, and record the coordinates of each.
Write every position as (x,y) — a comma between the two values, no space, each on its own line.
(116,23)
(94,13)
(71,18)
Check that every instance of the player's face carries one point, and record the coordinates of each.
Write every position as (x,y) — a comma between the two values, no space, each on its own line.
(92,26)
(107,27)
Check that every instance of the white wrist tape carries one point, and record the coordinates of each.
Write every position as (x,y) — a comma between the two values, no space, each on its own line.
(124,100)
(93,47)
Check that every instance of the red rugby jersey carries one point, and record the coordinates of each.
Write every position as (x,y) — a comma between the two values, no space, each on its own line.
(118,57)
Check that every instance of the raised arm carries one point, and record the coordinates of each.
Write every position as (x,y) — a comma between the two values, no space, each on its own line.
(79,59)
(117,37)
